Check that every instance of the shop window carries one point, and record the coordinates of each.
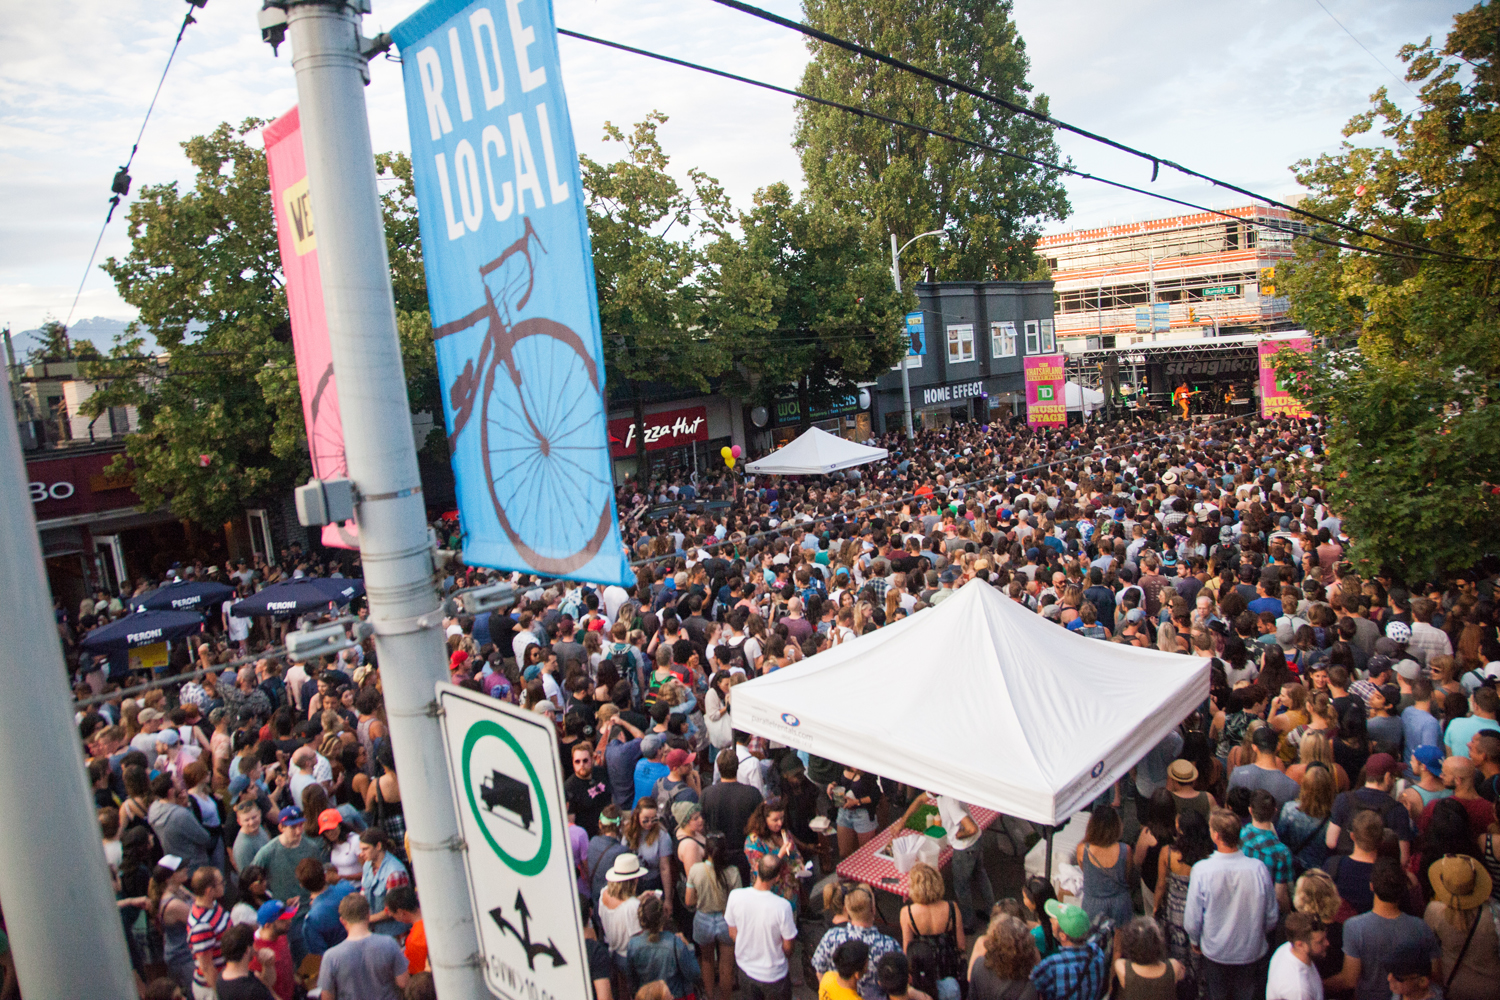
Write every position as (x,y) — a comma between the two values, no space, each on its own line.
(1049,339)
(1002,340)
(960,343)
(260,534)
(1033,337)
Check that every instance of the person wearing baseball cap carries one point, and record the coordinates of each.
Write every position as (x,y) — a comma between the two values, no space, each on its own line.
(1079,967)
(1381,771)
(274,920)
(1426,763)
(680,784)
(280,858)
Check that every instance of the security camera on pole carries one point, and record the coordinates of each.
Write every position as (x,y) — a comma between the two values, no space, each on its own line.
(330,57)
(906,359)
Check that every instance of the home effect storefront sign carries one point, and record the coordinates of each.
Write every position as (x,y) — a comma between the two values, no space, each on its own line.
(668,429)
(938,395)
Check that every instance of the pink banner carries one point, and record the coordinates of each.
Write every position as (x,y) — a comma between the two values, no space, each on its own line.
(1275,401)
(304,298)
(1046,402)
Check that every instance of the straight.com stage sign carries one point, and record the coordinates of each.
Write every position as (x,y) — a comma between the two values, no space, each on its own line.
(510,279)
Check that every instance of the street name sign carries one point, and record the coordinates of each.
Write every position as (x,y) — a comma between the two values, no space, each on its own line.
(508,793)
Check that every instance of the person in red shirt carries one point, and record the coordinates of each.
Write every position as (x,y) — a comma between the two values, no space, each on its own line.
(401,903)
(1459,774)
(275,919)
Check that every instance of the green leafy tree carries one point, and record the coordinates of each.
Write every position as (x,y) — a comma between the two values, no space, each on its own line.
(221,419)
(650,267)
(907,183)
(1411,412)
(816,286)
(56,345)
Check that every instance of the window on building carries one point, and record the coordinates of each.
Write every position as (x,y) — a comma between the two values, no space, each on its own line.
(1049,339)
(1033,337)
(260,533)
(960,343)
(1002,340)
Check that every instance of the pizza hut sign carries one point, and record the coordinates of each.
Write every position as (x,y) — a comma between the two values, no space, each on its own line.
(668,429)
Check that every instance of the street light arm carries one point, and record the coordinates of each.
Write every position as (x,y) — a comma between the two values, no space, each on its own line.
(934,232)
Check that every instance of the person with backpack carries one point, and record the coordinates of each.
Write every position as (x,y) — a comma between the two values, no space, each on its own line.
(680,784)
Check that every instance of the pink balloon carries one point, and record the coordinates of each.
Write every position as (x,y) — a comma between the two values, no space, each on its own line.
(735,451)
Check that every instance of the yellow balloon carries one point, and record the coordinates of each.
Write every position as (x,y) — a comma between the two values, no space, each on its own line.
(725,452)
(729,461)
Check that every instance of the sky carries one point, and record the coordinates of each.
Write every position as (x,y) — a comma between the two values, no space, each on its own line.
(1240,91)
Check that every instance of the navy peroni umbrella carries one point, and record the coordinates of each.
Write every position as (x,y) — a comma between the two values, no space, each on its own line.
(298,597)
(188,595)
(142,629)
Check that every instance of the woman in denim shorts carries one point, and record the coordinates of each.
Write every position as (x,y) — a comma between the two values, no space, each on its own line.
(709,883)
(856,818)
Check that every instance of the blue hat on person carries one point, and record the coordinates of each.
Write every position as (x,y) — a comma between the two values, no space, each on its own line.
(291,814)
(273,910)
(237,785)
(1430,757)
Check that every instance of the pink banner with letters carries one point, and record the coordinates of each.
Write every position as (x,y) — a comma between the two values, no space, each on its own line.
(304,297)
(1046,402)
(1275,401)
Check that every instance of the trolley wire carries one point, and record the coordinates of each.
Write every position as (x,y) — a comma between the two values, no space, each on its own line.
(120,186)
(996,150)
(1156,161)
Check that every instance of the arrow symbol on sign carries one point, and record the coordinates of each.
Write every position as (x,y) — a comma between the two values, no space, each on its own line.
(524,934)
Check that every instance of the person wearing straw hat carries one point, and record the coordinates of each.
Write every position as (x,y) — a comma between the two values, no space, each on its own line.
(1463,917)
(1182,775)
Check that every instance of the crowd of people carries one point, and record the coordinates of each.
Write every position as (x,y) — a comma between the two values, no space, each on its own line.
(1324,825)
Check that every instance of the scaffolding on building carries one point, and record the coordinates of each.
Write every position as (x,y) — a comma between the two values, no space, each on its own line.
(1210,272)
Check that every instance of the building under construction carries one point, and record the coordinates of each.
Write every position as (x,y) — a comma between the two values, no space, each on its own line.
(1134,283)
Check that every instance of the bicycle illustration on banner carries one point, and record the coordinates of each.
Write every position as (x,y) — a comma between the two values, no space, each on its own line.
(541,419)
(325,444)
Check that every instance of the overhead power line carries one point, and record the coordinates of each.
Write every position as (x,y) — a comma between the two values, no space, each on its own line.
(1156,161)
(1378,61)
(982,146)
(120,186)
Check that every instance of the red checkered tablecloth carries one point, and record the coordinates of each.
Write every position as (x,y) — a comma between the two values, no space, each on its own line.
(864,866)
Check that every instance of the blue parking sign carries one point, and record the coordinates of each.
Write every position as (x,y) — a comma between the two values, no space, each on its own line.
(510,281)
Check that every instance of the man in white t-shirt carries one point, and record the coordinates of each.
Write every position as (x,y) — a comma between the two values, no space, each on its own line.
(763,930)
(1293,976)
(237,627)
(614,597)
(971,882)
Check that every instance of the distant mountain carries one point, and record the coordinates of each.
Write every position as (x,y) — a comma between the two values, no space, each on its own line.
(101,330)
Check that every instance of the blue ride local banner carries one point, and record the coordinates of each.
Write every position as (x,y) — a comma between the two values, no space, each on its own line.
(510,279)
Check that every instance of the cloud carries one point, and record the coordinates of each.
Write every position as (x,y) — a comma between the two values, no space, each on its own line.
(1240,90)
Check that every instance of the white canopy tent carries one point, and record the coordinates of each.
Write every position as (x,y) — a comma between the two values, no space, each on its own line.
(1081,397)
(814,453)
(980,699)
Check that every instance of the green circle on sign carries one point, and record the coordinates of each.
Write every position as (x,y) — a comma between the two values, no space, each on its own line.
(522,867)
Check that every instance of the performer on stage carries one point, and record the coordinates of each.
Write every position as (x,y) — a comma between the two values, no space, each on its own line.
(1180,398)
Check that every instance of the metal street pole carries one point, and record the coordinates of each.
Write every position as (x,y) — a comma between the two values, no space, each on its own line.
(906,358)
(64,927)
(395,549)
(906,355)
